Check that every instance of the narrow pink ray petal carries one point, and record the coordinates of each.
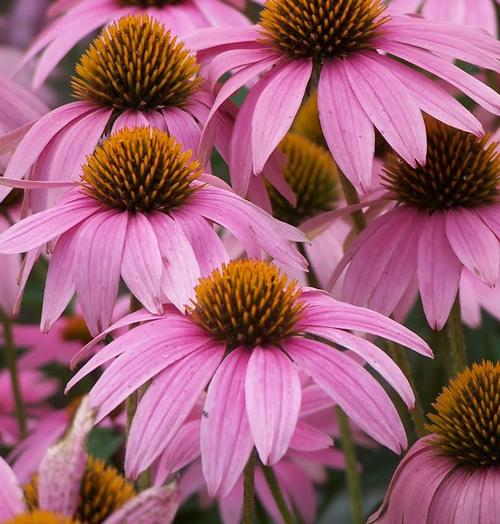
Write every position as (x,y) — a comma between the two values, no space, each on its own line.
(226,440)
(218,36)
(266,498)
(26,267)
(272,397)
(474,244)
(60,281)
(11,493)
(99,248)
(490,497)
(184,127)
(38,229)
(231,506)
(157,505)
(361,397)
(141,266)
(221,14)
(451,12)
(314,399)
(347,128)
(166,405)
(130,118)
(309,438)
(180,266)
(281,97)
(9,141)
(36,184)
(491,217)
(389,105)
(274,174)
(438,271)
(481,13)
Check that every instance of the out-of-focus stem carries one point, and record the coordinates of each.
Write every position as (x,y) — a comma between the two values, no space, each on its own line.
(452,344)
(274,487)
(11,361)
(249,491)
(352,473)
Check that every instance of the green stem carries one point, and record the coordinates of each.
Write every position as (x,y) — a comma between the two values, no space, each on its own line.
(275,489)
(352,473)
(351,197)
(312,278)
(399,356)
(452,344)
(11,361)
(249,491)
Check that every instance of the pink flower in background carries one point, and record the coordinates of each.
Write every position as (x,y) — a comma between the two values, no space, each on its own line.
(59,486)
(56,146)
(74,20)
(444,218)
(11,266)
(362,82)
(452,476)
(478,13)
(476,295)
(247,334)
(35,388)
(148,220)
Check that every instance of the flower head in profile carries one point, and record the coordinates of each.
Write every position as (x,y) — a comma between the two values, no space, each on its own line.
(135,73)
(478,13)
(71,487)
(364,57)
(452,476)
(247,333)
(142,211)
(73,21)
(444,219)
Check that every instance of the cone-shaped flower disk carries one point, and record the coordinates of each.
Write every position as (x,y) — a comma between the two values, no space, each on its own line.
(453,475)
(71,488)
(135,72)
(247,334)
(80,18)
(446,218)
(142,212)
(356,47)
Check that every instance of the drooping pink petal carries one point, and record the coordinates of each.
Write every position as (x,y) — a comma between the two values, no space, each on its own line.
(438,271)
(166,405)
(491,217)
(184,127)
(474,244)
(226,440)
(272,397)
(389,105)
(347,129)
(141,266)
(309,438)
(361,397)
(98,258)
(157,505)
(11,493)
(281,97)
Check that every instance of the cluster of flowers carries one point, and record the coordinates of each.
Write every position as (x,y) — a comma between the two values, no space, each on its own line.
(226,221)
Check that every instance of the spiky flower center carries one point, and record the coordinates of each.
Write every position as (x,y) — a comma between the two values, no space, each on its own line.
(103,491)
(312,175)
(467,418)
(76,330)
(462,170)
(136,64)
(40,517)
(248,303)
(140,169)
(148,3)
(322,29)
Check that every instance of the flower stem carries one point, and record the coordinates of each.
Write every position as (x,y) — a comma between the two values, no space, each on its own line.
(249,491)
(351,196)
(10,357)
(275,489)
(453,341)
(352,473)
(399,356)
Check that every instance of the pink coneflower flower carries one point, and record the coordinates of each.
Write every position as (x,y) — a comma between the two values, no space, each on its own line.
(354,47)
(444,217)
(71,487)
(134,74)
(478,13)
(140,211)
(247,333)
(453,475)
(77,19)
(475,295)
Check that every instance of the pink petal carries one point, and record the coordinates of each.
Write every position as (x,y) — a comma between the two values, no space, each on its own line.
(11,493)
(353,388)
(223,459)
(220,14)
(309,438)
(491,217)
(438,271)
(141,266)
(347,128)
(474,244)
(281,97)
(389,105)
(272,395)
(99,248)
(166,405)
(183,127)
